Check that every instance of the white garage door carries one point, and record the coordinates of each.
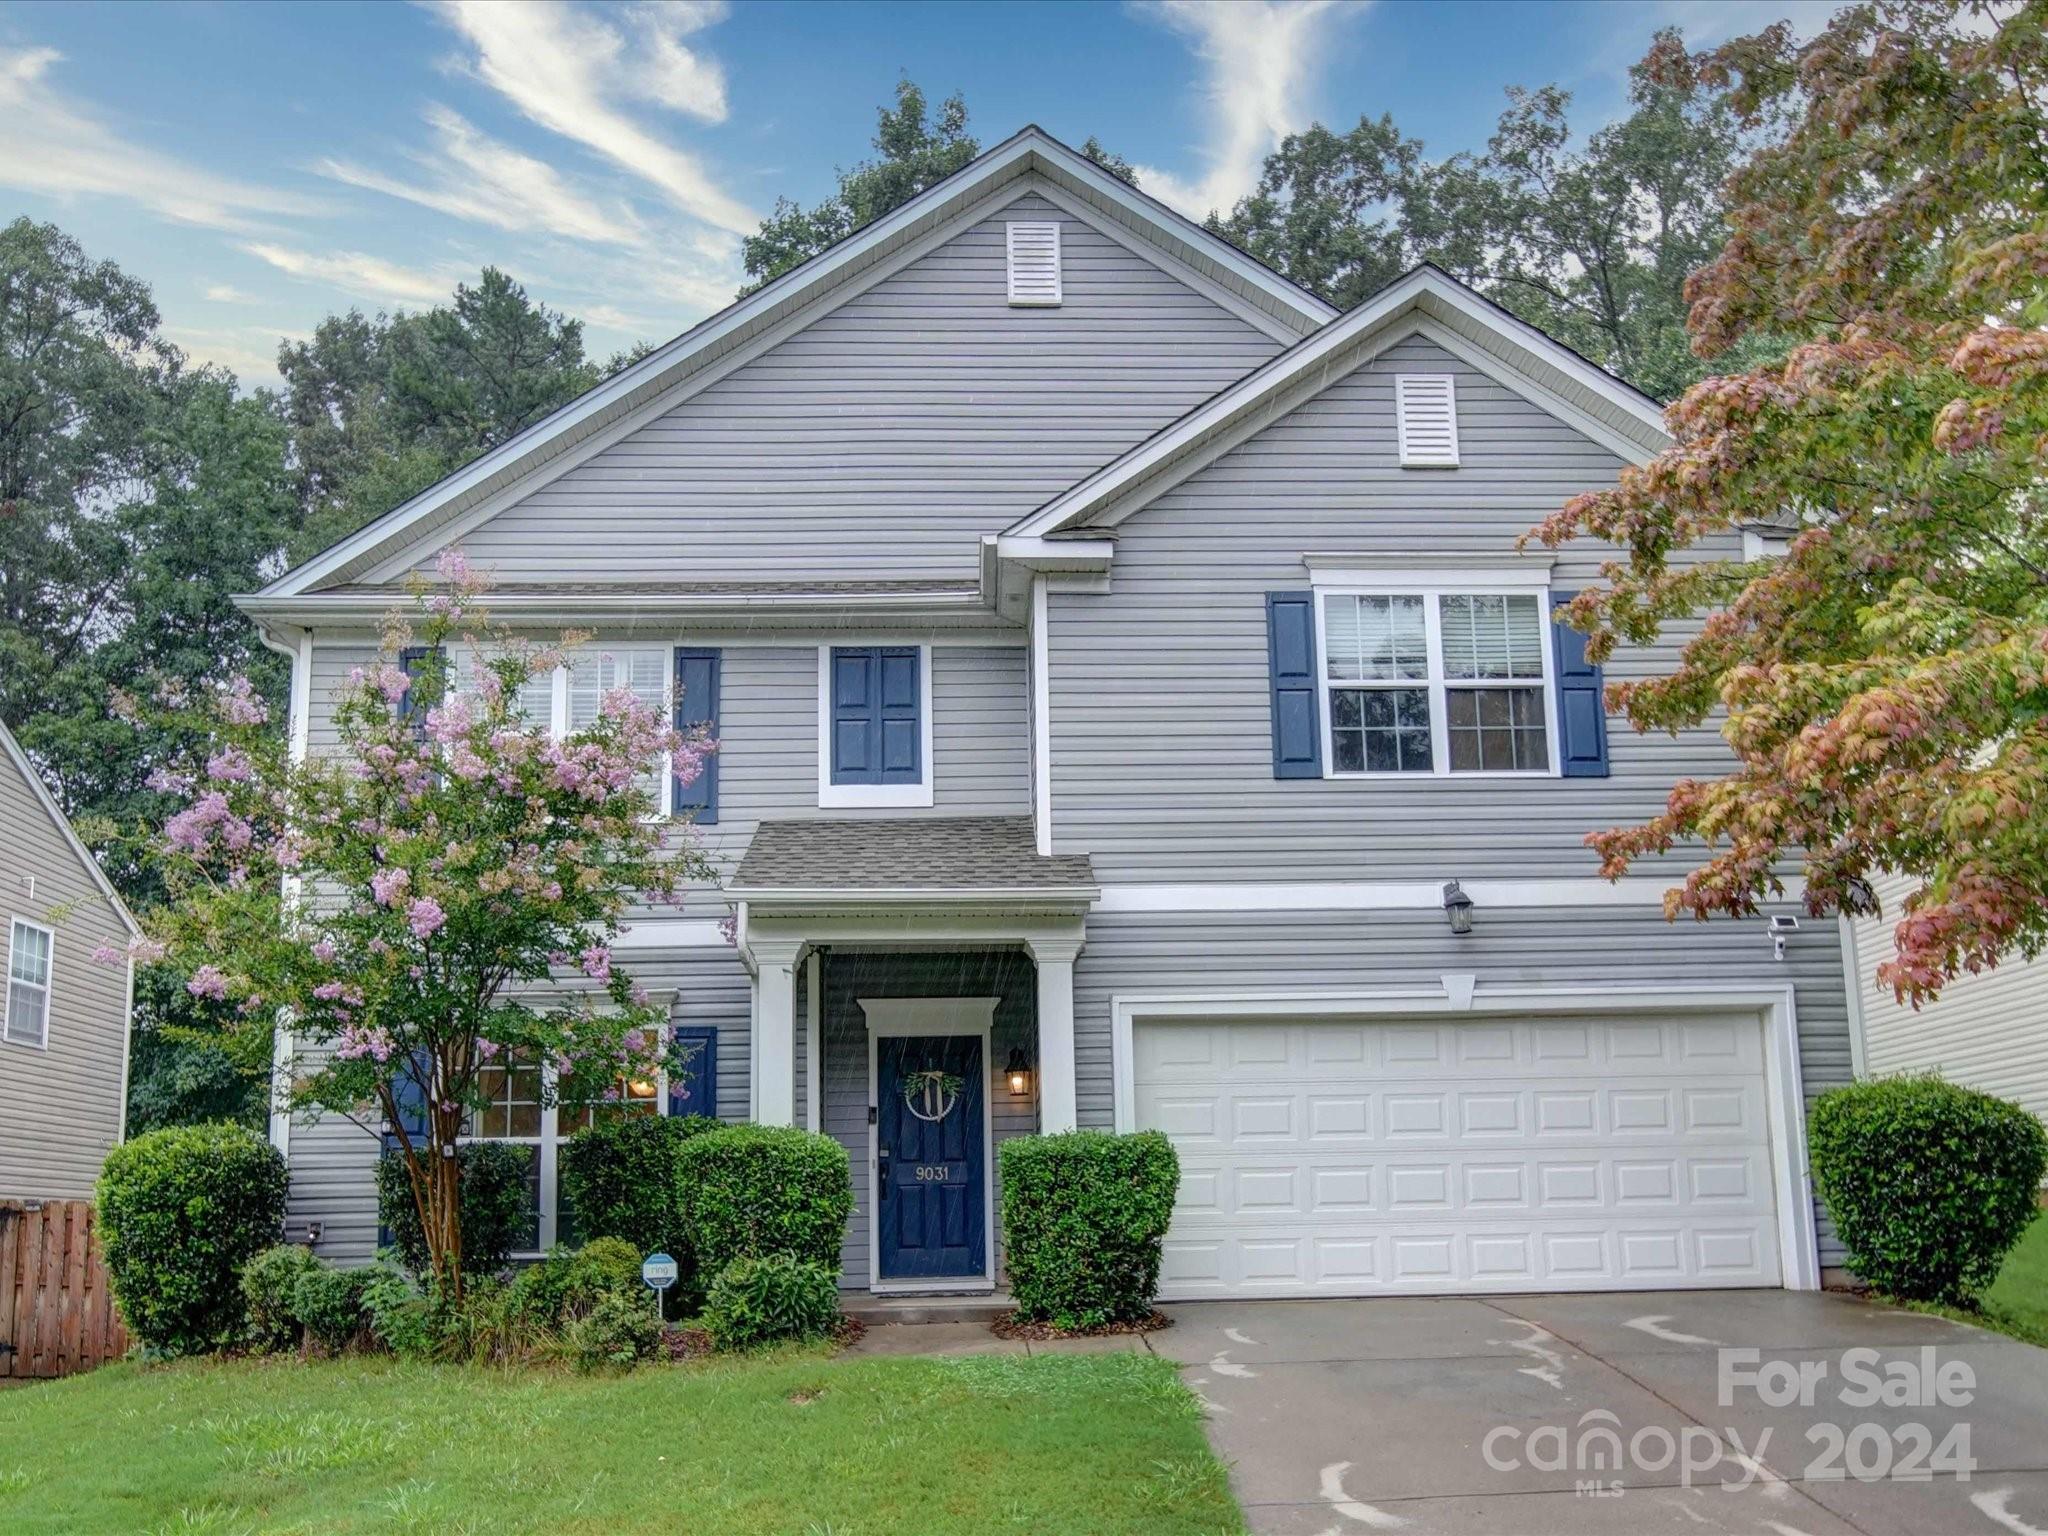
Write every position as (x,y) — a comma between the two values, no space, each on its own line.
(1357,1158)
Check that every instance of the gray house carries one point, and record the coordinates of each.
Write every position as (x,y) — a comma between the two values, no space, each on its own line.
(1135,713)
(63,1015)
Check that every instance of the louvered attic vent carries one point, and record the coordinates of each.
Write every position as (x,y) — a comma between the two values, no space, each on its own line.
(1034,263)
(1426,411)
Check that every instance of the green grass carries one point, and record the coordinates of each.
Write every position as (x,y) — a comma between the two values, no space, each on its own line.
(2017,1303)
(790,1444)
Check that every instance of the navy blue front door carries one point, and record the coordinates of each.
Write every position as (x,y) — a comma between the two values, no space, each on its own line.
(931,1093)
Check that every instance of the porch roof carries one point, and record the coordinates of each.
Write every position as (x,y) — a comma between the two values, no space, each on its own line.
(912,856)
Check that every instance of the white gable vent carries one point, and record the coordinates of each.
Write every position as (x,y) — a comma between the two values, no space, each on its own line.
(1426,412)
(1034,263)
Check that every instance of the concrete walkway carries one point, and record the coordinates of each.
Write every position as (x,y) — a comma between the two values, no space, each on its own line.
(1505,1416)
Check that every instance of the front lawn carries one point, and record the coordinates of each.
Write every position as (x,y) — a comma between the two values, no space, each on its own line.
(2018,1303)
(799,1443)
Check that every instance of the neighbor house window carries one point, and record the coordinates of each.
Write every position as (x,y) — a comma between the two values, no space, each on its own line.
(1435,681)
(874,725)
(27,1020)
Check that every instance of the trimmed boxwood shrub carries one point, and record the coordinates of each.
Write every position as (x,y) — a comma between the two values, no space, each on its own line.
(180,1212)
(497,1206)
(269,1286)
(756,1301)
(616,1334)
(1084,1214)
(619,1177)
(748,1191)
(570,1281)
(330,1303)
(1928,1184)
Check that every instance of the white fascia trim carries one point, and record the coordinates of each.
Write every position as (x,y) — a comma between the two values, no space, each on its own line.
(1024,151)
(1852,992)
(1078,504)
(1798,1240)
(55,812)
(841,797)
(670,933)
(1041,719)
(1505,372)
(1338,567)
(1394,895)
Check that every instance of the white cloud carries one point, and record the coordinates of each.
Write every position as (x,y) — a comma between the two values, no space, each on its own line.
(1259,56)
(569,71)
(366,276)
(228,293)
(248,351)
(473,176)
(51,144)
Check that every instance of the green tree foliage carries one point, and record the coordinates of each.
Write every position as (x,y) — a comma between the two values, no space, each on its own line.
(1591,241)
(1885,682)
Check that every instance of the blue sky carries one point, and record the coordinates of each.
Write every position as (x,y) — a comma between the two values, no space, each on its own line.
(264,165)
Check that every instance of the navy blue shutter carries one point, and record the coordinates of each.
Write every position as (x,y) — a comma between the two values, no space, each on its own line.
(693,1084)
(697,704)
(877,733)
(1581,713)
(411,1101)
(1291,662)
(412,661)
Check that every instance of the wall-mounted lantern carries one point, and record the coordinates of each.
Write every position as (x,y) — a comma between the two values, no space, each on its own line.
(1019,1073)
(1457,907)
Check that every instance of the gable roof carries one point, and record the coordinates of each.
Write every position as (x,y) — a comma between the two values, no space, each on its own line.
(41,791)
(1587,397)
(1284,308)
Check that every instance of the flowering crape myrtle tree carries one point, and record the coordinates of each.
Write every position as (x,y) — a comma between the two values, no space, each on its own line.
(1885,682)
(399,901)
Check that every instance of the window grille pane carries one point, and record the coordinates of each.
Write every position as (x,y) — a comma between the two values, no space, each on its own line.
(1373,638)
(1380,730)
(1497,730)
(1492,636)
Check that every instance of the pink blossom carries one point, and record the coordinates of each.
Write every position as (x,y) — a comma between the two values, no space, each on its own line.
(597,963)
(425,917)
(387,885)
(231,765)
(107,954)
(190,829)
(453,566)
(148,951)
(208,981)
(323,951)
(355,1042)
(240,704)
(729,927)
(164,782)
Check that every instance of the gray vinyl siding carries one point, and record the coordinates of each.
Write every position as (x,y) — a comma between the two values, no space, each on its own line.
(1988,1031)
(887,436)
(1160,715)
(1236,953)
(60,1104)
(1007,975)
(333,1160)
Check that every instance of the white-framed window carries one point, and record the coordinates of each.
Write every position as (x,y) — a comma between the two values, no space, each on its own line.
(1439,677)
(644,670)
(874,724)
(31,954)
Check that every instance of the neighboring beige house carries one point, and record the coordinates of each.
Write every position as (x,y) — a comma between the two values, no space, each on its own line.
(1988,1031)
(63,1016)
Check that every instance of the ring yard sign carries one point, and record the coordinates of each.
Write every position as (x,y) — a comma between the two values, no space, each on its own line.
(659,1271)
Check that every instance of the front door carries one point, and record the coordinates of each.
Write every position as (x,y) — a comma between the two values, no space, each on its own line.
(931,1093)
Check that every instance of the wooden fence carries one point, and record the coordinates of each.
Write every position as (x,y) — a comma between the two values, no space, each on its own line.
(57,1311)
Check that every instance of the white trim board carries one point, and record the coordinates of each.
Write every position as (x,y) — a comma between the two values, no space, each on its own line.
(1798,1237)
(932,1016)
(1396,895)
(1041,718)
(833,796)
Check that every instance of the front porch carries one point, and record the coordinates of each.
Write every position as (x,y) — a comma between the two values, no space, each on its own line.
(913,999)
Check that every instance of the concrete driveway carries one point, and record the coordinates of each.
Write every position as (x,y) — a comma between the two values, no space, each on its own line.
(1625,1414)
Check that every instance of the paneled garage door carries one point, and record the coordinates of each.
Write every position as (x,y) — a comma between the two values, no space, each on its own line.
(1365,1157)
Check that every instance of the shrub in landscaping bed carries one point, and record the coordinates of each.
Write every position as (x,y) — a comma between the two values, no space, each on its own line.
(1084,1214)
(1928,1184)
(269,1285)
(570,1282)
(616,1334)
(401,1316)
(749,1191)
(330,1303)
(620,1179)
(756,1301)
(497,1206)
(180,1212)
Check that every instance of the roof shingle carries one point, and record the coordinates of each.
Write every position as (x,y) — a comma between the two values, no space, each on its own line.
(960,853)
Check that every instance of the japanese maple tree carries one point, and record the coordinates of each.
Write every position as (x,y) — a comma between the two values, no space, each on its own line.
(1885,681)
(440,894)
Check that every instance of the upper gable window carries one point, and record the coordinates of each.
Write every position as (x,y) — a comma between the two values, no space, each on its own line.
(1426,420)
(874,725)
(27,1019)
(1034,263)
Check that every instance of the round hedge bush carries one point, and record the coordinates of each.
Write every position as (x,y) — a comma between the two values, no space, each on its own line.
(330,1302)
(269,1288)
(497,1206)
(748,1191)
(181,1211)
(757,1301)
(1084,1217)
(1928,1184)
(619,1178)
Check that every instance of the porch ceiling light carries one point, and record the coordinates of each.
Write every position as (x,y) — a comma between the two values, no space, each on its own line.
(1457,907)
(1018,1072)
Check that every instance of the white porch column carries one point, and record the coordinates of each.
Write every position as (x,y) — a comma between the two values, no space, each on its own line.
(1056,1090)
(775,1030)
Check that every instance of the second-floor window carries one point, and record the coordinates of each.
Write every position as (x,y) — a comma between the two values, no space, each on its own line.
(26,1020)
(874,725)
(1435,680)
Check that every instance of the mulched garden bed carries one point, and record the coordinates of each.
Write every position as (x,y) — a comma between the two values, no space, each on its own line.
(1010,1328)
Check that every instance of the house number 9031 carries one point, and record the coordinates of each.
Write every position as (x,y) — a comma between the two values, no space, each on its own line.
(932,1174)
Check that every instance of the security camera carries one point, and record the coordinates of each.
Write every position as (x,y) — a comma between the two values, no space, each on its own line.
(1782,926)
